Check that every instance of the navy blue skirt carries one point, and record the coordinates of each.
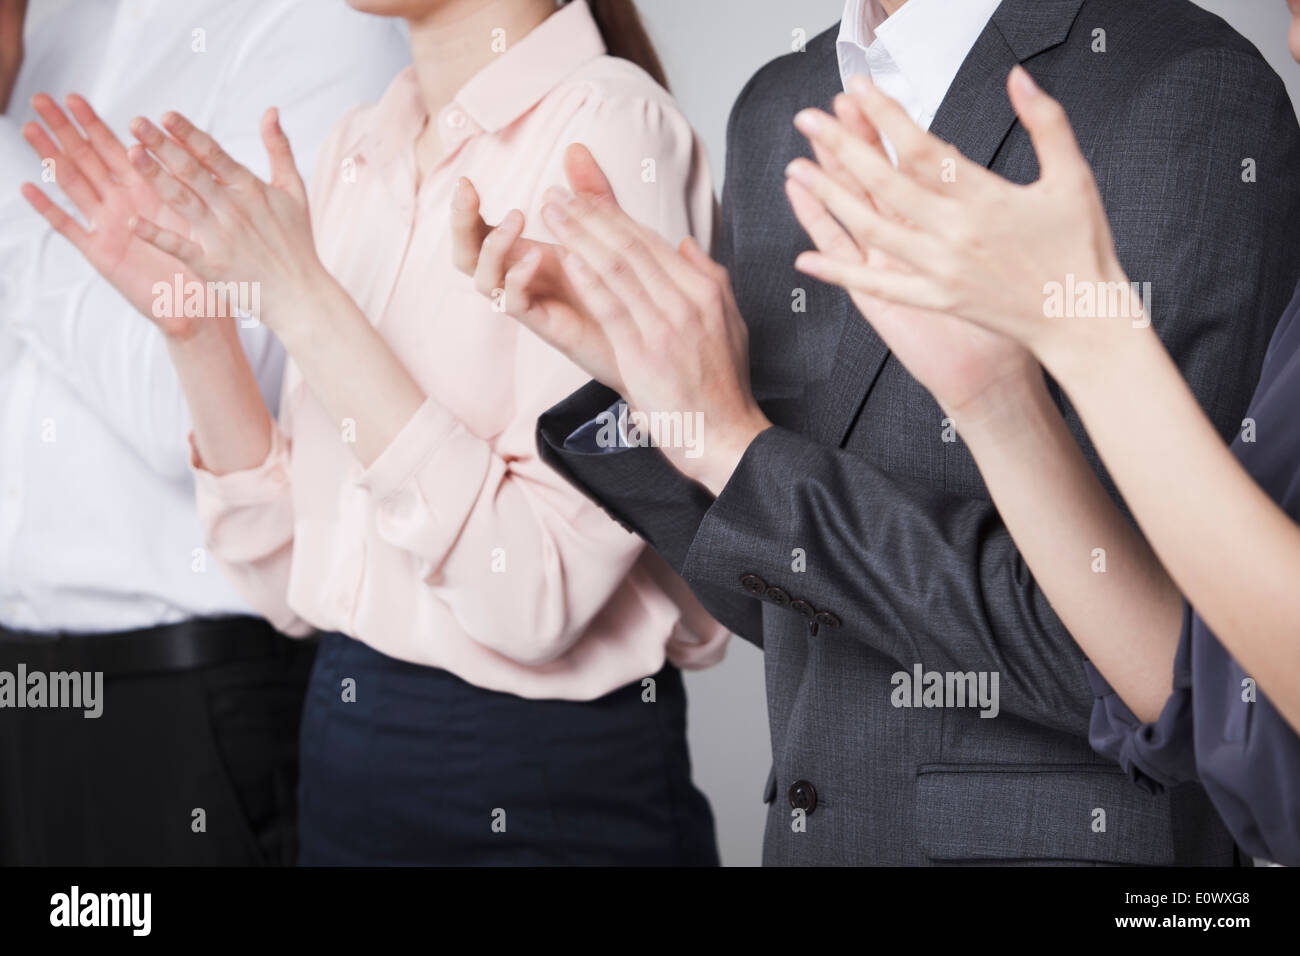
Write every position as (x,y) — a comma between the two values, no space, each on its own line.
(423,768)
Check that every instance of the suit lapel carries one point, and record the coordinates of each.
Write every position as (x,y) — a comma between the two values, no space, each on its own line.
(976,117)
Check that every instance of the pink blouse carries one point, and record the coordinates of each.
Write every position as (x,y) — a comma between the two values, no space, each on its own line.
(458,547)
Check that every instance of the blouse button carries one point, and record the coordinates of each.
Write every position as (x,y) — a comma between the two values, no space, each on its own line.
(455,119)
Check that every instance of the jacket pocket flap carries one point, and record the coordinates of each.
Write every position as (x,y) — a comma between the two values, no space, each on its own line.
(1084,813)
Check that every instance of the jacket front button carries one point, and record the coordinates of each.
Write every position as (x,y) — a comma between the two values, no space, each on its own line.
(803,796)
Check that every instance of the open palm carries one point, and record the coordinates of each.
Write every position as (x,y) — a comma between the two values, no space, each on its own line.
(955,360)
(92,169)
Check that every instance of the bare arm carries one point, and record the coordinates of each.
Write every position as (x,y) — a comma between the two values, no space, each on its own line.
(1101,577)
(1228,546)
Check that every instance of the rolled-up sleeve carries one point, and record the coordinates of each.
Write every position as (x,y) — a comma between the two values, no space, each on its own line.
(247,519)
(1158,754)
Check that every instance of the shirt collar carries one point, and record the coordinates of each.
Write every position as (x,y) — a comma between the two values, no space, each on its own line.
(493,98)
(925,40)
(520,77)
(859,22)
(930,39)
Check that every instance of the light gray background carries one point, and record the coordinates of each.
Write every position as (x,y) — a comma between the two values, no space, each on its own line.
(710,48)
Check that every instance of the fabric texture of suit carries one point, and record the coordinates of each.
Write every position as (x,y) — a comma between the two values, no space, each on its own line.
(1194,144)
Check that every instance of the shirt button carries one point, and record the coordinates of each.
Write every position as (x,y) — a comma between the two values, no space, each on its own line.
(455,119)
(277,475)
(13,492)
(803,796)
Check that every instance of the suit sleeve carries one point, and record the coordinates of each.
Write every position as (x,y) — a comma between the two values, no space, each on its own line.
(928,577)
(637,486)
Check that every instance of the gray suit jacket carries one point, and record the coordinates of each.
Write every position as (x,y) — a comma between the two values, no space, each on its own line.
(907,560)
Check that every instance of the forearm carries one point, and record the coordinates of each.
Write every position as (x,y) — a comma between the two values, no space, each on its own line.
(1233,552)
(231,423)
(914,571)
(352,371)
(1099,575)
(644,493)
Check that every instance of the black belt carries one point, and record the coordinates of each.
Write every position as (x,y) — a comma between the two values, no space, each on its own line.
(200,642)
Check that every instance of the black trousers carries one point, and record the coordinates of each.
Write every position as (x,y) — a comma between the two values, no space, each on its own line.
(190,765)
(403,764)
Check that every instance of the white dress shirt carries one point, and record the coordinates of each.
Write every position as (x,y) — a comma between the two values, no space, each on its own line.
(914,55)
(98,523)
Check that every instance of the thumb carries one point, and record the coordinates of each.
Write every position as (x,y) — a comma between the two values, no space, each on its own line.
(1048,126)
(585,176)
(284,172)
(468,230)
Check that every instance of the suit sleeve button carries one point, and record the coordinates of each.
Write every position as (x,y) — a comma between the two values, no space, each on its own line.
(753,584)
(777,597)
(803,796)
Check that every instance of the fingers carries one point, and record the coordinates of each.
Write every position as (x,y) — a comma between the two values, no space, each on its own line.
(585,176)
(873,171)
(599,301)
(66,174)
(208,152)
(73,144)
(905,289)
(846,110)
(59,220)
(174,244)
(490,272)
(936,165)
(106,144)
(1048,126)
(617,250)
(468,230)
(284,171)
(826,233)
(178,195)
(709,276)
(184,167)
(864,223)
(516,284)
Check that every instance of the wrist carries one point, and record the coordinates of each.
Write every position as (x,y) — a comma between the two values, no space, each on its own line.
(201,340)
(722,452)
(1109,349)
(1105,320)
(999,411)
(298,316)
